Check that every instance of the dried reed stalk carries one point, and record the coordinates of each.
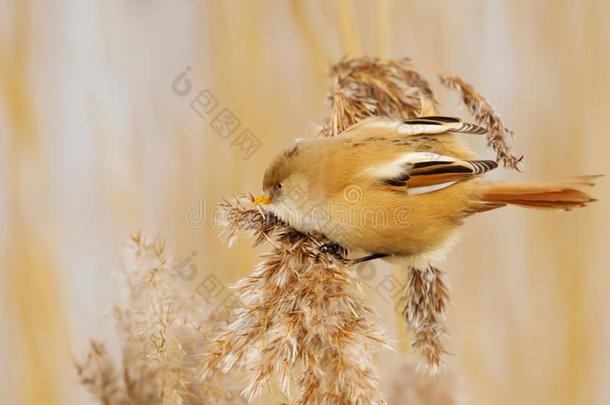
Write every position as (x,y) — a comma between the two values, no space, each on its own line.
(165,332)
(485,115)
(347,27)
(304,319)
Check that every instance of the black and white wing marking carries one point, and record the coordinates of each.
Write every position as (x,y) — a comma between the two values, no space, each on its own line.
(436,124)
(422,169)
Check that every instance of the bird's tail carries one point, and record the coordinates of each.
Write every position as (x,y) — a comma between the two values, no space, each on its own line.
(562,194)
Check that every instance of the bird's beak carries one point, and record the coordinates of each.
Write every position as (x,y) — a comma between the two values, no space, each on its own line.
(262,200)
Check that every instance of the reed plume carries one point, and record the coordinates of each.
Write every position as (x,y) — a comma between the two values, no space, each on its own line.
(366,87)
(484,114)
(304,319)
(165,331)
(426,298)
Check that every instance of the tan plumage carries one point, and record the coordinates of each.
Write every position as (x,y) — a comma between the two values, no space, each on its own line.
(397,187)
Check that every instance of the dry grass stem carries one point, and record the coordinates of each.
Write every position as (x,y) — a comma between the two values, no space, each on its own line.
(486,116)
(304,319)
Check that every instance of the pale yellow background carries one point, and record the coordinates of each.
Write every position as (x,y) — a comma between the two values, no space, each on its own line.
(94,145)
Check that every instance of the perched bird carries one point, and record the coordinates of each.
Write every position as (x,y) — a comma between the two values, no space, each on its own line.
(398,188)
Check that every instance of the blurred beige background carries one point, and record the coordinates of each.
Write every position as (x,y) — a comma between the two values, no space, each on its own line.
(95,145)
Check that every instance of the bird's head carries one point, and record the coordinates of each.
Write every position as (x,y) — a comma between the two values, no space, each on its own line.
(285,185)
(279,179)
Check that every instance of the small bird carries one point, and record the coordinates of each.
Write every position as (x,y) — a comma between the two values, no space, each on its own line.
(398,188)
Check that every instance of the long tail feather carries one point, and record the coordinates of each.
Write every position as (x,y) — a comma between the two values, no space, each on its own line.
(566,194)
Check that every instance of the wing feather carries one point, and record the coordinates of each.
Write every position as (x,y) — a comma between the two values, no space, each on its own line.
(439,124)
(428,125)
(422,169)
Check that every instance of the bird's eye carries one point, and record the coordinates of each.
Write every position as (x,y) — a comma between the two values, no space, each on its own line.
(278,186)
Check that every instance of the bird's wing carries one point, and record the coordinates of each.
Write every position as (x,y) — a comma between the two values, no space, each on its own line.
(429,125)
(438,124)
(422,169)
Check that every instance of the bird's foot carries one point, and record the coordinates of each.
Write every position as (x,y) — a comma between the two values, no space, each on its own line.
(340,253)
(335,250)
